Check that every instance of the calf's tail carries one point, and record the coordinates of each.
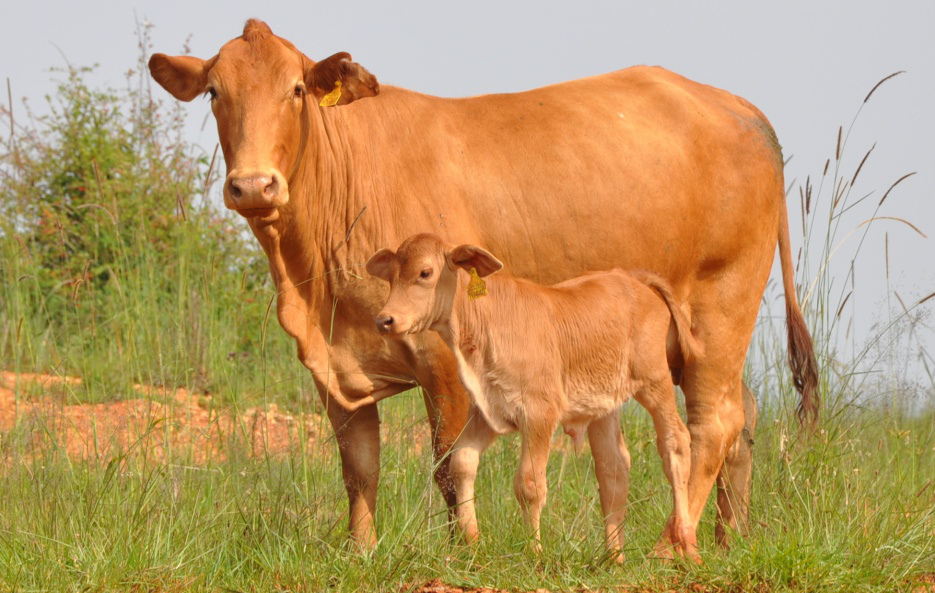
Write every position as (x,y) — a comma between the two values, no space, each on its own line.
(688,346)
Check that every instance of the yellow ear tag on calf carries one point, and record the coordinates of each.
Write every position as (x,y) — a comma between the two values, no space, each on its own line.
(476,288)
(332,98)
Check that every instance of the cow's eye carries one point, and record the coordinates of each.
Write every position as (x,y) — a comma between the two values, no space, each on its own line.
(425,274)
(299,91)
(213,93)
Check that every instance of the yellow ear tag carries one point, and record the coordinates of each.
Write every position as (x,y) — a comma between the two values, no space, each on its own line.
(332,98)
(476,288)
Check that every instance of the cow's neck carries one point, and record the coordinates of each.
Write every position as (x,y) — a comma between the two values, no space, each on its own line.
(325,233)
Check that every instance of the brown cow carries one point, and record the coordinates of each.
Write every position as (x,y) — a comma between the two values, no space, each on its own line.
(598,340)
(637,169)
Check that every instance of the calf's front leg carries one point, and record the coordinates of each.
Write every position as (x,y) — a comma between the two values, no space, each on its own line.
(459,436)
(465,457)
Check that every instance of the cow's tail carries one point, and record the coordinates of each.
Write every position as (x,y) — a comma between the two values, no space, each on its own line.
(688,346)
(801,351)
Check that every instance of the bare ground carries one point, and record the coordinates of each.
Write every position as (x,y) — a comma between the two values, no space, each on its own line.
(158,423)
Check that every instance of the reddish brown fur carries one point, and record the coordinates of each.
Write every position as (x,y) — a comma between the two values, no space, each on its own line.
(599,339)
(636,169)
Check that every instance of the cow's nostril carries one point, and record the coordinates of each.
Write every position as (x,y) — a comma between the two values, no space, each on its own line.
(272,189)
(235,191)
(384,322)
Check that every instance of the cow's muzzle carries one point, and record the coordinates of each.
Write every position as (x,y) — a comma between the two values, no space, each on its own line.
(251,191)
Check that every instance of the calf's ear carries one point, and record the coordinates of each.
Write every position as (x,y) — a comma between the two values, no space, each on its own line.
(340,80)
(472,256)
(380,264)
(185,77)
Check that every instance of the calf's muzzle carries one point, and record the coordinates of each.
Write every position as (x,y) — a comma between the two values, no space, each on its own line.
(384,324)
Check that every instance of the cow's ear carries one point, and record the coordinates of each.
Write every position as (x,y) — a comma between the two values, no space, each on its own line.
(380,264)
(184,77)
(338,81)
(472,256)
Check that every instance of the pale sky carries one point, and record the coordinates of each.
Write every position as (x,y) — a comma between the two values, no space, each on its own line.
(806,65)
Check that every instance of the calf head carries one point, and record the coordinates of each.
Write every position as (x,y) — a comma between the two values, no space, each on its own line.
(259,86)
(423,277)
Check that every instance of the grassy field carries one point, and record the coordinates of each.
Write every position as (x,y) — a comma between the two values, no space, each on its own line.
(852,509)
(116,269)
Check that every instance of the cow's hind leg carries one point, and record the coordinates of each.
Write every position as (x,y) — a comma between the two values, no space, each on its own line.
(674,445)
(612,466)
(714,404)
(733,483)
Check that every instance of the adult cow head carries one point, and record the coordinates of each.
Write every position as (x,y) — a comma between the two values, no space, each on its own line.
(261,88)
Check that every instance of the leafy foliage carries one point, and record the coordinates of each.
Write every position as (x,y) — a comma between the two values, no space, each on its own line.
(113,254)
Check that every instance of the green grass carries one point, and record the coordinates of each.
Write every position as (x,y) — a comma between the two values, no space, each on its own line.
(854,509)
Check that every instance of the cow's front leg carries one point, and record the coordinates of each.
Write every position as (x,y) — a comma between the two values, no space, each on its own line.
(358,437)
(449,411)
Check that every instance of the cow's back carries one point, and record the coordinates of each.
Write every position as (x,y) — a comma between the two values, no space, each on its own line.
(639,168)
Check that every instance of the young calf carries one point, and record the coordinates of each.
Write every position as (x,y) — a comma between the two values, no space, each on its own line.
(534,356)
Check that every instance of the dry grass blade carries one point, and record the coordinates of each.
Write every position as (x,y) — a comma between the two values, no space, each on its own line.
(877,85)
(923,299)
(842,187)
(897,219)
(350,229)
(110,214)
(841,308)
(178,200)
(897,182)
(861,165)
(204,192)
(837,151)
(831,254)
(9,97)
(886,256)
(901,303)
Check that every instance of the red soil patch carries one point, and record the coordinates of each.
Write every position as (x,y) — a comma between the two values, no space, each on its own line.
(163,423)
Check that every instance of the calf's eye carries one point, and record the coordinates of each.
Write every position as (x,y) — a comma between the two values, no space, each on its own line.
(299,91)
(425,274)
(213,93)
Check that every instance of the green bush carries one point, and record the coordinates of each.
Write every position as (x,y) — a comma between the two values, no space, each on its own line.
(116,266)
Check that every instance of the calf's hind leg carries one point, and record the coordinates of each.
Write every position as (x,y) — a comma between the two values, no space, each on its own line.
(612,466)
(673,442)
(530,481)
